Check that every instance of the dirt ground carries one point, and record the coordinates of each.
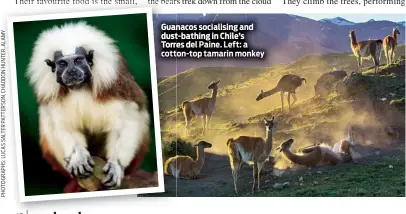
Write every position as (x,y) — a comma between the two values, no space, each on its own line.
(216,180)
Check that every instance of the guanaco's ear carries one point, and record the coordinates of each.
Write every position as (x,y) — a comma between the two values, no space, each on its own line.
(217,81)
(262,90)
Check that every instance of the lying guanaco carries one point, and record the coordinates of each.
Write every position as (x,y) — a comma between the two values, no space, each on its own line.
(313,155)
(182,166)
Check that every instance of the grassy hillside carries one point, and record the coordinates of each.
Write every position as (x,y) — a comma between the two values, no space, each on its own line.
(193,83)
(373,103)
(377,178)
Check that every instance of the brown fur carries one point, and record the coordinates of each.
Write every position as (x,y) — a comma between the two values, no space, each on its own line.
(313,155)
(247,149)
(288,83)
(390,44)
(187,167)
(47,154)
(364,49)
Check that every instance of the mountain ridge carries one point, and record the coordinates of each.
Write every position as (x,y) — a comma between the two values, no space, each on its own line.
(284,37)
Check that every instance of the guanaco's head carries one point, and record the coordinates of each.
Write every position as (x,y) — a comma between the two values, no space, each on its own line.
(214,85)
(284,145)
(396,31)
(260,95)
(269,123)
(203,144)
(352,33)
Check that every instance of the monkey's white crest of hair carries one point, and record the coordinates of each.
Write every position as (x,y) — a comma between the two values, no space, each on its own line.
(67,38)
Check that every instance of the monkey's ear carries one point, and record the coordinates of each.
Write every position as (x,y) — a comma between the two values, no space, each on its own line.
(50,64)
(89,57)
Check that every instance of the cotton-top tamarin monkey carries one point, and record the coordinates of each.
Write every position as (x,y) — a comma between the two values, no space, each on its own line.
(89,104)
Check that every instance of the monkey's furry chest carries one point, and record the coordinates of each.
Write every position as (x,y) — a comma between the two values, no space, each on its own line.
(80,111)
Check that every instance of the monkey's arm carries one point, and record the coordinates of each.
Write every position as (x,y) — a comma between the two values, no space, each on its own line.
(67,145)
(128,133)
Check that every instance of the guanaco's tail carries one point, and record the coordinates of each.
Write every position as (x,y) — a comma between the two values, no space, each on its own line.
(184,104)
(229,141)
(303,79)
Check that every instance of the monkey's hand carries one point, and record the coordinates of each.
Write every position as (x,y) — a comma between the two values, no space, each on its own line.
(80,163)
(114,174)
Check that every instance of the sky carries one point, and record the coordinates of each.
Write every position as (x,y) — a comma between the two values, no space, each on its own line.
(358,17)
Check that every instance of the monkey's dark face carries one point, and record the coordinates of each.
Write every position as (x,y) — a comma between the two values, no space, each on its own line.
(72,70)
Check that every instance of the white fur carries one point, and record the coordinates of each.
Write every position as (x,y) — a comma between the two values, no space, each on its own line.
(246,156)
(326,149)
(67,38)
(61,122)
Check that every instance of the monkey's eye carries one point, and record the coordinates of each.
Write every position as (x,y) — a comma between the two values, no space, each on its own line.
(78,60)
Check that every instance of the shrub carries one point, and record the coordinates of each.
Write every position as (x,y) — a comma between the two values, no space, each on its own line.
(178,147)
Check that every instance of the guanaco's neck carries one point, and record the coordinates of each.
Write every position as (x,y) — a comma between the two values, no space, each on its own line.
(269,138)
(200,156)
(214,94)
(299,159)
(353,39)
(395,36)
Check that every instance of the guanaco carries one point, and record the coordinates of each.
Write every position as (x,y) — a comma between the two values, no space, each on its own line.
(202,107)
(390,44)
(287,84)
(313,155)
(366,49)
(251,150)
(182,166)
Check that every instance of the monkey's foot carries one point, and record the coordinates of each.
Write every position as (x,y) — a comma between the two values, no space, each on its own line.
(80,163)
(114,174)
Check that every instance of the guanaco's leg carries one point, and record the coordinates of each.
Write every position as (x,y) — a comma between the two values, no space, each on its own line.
(387,56)
(260,165)
(208,117)
(289,100)
(375,67)
(204,124)
(392,55)
(360,64)
(282,94)
(254,174)
(235,167)
(294,98)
